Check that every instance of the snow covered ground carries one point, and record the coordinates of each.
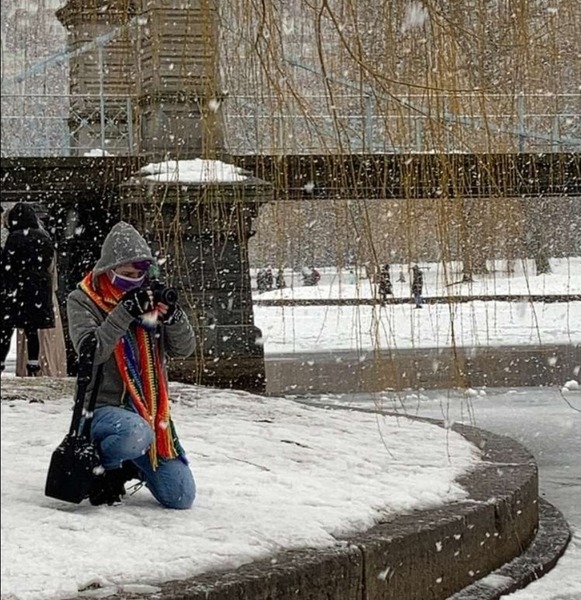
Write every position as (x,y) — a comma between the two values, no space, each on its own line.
(544,420)
(480,323)
(271,475)
(474,324)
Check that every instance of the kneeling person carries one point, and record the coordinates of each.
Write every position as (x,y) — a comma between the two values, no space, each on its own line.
(132,425)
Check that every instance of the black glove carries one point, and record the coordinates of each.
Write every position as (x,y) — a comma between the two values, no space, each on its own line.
(137,302)
(173,314)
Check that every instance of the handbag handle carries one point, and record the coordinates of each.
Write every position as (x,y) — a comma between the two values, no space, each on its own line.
(84,377)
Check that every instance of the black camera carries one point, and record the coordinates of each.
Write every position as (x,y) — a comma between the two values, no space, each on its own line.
(163,294)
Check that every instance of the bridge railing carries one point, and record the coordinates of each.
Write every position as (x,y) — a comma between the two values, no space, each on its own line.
(412,123)
(64,125)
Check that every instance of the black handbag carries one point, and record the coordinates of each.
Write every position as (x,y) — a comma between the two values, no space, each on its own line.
(75,463)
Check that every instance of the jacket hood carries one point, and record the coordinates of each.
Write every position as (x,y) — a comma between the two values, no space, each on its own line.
(21,216)
(123,244)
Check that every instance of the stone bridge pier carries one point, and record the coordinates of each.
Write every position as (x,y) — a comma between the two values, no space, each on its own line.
(159,58)
(202,233)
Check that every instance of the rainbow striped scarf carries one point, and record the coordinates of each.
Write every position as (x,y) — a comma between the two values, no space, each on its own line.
(140,364)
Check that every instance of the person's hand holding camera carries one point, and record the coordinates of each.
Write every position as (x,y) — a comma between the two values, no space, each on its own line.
(170,314)
(166,299)
(138,301)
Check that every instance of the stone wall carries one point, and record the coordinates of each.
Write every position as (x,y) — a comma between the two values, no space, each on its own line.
(424,368)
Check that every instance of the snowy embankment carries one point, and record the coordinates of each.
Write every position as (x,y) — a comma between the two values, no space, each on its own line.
(271,475)
(397,327)
(401,326)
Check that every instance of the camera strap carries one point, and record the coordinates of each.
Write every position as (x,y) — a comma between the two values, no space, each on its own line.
(79,425)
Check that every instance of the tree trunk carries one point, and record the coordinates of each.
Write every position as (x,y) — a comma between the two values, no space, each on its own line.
(542,262)
(539,244)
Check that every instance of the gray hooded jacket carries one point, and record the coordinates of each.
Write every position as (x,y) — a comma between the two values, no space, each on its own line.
(122,245)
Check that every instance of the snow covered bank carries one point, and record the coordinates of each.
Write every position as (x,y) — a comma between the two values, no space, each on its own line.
(401,326)
(271,475)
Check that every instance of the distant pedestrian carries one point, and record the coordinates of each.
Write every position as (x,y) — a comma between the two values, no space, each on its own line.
(316,276)
(27,299)
(351,279)
(385,288)
(310,276)
(280,280)
(261,281)
(401,278)
(268,279)
(417,286)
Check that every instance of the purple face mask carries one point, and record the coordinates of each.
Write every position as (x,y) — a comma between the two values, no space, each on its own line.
(126,283)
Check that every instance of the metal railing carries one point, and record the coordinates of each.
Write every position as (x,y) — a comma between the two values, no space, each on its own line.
(65,125)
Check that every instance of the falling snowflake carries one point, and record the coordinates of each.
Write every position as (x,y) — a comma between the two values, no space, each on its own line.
(416,15)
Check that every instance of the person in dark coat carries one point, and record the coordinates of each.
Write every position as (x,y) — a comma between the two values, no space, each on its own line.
(261,280)
(268,279)
(417,286)
(385,287)
(310,276)
(280,280)
(316,276)
(26,293)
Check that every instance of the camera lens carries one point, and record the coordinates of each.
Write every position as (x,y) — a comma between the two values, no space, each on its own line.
(165,295)
(169,296)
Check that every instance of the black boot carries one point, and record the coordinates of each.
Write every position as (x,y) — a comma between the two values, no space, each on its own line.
(32,370)
(109,488)
(130,471)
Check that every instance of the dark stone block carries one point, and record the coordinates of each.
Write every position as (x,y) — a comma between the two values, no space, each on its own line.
(328,574)
(208,264)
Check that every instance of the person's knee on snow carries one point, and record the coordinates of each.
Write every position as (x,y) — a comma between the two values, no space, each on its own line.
(180,495)
(171,483)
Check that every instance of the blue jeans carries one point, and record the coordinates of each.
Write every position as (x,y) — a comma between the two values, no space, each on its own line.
(123,435)
(418,298)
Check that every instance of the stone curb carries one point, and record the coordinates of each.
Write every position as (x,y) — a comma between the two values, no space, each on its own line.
(548,546)
(424,555)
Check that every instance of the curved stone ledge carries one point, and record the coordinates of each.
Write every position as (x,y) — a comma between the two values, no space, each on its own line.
(441,551)
(424,555)
(552,539)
